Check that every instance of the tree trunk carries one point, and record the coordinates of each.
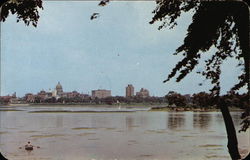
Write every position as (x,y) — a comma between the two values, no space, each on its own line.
(232,144)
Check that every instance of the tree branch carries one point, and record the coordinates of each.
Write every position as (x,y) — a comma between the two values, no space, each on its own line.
(2,2)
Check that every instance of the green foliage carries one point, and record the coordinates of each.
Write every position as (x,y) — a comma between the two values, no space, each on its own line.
(25,10)
(225,27)
(202,99)
(222,24)
(103,2)
(218,24)
(177,99)
(168,11)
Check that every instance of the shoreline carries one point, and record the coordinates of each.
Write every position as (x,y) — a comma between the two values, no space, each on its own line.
(153,107)
(184,109)
(82,105)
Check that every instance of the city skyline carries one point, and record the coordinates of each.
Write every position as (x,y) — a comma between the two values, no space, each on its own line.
(60,87)
(89,54)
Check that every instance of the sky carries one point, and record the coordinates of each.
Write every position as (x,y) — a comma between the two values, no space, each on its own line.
(118,48)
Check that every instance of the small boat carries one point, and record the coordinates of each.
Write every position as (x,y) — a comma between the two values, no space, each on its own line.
(28,147)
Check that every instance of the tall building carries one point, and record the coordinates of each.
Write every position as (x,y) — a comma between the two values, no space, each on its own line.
(101,93)
(59,89)
(130,91)
(143,93)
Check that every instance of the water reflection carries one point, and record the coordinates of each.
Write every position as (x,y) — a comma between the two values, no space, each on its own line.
(219,119)
(59,121)
(201,120)
(129,123)
(235,116)
(98,121)
(176,120)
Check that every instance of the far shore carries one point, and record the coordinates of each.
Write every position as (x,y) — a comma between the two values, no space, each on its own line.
(154,107)
(184,109)
(145,105)
(88,104)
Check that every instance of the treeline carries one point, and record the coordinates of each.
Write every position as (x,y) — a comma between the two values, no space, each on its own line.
(172,99)
(206,100)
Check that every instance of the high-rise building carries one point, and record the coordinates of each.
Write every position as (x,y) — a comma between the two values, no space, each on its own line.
(101,93)
(143,93)
(130,91)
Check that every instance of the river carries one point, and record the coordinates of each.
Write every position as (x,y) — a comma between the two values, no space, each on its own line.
(64,133)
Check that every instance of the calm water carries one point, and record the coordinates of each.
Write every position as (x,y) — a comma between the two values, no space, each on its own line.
(141,135)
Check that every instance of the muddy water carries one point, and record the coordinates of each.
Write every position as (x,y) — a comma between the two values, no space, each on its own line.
(141,135)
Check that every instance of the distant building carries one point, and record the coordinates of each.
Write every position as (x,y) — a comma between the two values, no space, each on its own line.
(15,100)
(42,95)
(101,93)
(84,96)
(29,97)
(49,94)
(5,99)
(71,94)
(54,93)
(143,93)
(130,91)
(59,89)
(75,94)
(14,95)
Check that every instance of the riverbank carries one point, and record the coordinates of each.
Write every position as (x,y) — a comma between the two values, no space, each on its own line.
(153,107)
(94,106)
(183,109)
(86,105)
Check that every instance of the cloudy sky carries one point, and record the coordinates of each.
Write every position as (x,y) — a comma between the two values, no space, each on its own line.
(118,48)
